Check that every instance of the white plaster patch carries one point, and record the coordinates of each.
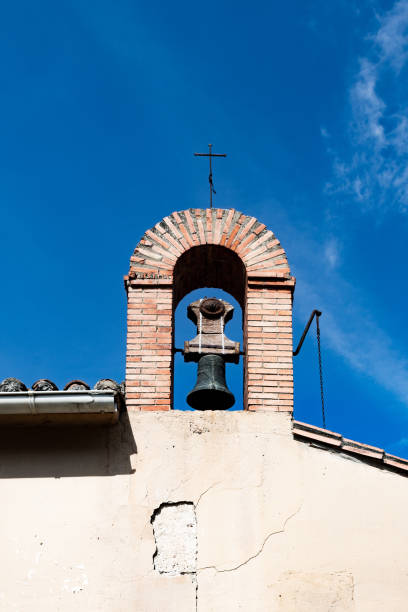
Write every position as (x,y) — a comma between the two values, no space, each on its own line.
(315,591)
(175,533)
(77,584)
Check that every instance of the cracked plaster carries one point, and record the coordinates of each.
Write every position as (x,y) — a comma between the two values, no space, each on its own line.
(278,522)
(175,534)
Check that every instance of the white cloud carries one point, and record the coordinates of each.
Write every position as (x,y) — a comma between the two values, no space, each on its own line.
(391,37)
(375,171)
(332,252)
(324,132)
(368,108)
(348,328)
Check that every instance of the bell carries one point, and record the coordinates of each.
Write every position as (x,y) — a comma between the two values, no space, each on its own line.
(211,391)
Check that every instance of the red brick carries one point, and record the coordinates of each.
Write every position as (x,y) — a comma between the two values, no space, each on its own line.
(268,365)
(201,231)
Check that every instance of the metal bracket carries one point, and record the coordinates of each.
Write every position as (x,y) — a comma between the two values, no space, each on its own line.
(299,346)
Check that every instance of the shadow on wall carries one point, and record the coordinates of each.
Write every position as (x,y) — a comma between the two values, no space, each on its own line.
(56,452)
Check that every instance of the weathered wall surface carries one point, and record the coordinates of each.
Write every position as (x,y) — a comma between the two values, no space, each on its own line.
(263,522)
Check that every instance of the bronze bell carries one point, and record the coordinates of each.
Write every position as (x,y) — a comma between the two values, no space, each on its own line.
(211,391)
(212,349)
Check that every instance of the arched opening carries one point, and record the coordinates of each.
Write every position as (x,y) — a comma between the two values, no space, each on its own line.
(209,265)
(223,249)
(207,271)
(185,374)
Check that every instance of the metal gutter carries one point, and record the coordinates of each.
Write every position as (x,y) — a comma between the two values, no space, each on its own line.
(71,407)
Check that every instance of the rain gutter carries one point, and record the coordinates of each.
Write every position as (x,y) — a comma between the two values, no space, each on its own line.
(64,407)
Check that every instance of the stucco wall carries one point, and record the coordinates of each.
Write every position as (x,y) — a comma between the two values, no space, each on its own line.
(278,524)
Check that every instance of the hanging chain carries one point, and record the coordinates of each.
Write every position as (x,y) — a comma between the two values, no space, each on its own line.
(319,351)
(200,328)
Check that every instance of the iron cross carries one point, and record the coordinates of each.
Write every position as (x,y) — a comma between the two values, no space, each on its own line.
(210,178)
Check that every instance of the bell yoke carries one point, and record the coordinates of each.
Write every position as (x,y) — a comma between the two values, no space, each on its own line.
(212,350)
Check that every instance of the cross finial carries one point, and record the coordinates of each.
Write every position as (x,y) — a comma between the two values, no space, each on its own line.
(210,155)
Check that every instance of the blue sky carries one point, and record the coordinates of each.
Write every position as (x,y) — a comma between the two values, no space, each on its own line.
(102,106)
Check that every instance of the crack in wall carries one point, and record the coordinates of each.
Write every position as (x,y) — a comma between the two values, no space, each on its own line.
(254,556)
(175,533)
(206,491)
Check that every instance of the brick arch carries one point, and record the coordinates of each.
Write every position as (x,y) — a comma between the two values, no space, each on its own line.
(162,245)
(209,265)
(209,247)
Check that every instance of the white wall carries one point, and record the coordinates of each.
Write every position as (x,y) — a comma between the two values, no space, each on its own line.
(279,525)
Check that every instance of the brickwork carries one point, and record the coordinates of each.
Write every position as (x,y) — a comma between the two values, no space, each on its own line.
(269,379)
(149,356)
(210,248)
